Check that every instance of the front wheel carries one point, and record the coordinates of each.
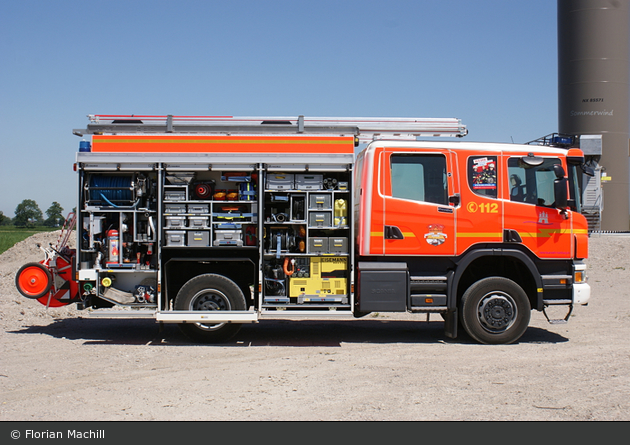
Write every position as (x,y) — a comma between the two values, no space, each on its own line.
(210,292)
(495,310)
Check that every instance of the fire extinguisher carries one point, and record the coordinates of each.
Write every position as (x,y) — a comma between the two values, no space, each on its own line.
(113,250)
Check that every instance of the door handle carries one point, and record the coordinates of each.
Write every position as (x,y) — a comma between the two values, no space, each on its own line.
(393,232)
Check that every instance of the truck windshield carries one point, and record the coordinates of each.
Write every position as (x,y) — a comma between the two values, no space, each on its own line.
(532,184)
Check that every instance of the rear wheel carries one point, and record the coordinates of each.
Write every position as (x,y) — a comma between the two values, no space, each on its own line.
(210,292)
(33,280)
(495,310)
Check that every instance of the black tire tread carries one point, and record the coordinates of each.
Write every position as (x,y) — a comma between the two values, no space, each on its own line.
(468,308)
(210,281)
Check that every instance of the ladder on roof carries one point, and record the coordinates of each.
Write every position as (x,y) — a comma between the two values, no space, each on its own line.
(365,129)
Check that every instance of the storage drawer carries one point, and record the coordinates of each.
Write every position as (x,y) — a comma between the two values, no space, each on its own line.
(338,244)
(319,219)
(198,238)
(280,181)
(318,244)
(309,181)
(175,208)
(178,194)
(228,238)
(175,221)
(198,208)
(319,201)
(175,237)
(198,222)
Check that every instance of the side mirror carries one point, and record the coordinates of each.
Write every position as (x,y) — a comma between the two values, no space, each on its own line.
(531,160)
(454,200)
(560,193)
(559,171)
(560,190)
(589,171)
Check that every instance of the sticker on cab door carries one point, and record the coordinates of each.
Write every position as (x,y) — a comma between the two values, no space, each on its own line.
(436,236)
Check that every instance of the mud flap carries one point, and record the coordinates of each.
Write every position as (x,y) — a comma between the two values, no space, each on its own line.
(450,323)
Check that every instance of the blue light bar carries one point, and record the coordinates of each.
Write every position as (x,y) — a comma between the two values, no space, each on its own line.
(562,140)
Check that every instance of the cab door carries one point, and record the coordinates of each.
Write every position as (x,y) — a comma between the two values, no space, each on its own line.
(417,216)
(480,218)
(531,211)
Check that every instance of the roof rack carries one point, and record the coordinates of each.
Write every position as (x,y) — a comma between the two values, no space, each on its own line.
(364,128)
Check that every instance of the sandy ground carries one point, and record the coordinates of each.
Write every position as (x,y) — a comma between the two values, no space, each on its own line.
(62,365)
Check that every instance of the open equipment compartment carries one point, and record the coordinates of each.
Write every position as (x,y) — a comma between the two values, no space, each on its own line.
(210,208)
(118,234)
(306,258)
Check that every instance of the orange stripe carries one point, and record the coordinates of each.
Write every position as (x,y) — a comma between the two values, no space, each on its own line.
(222,144)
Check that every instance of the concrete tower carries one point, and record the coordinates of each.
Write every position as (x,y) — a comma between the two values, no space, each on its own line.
(593,91)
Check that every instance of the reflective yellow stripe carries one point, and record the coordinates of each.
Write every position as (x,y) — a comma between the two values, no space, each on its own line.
(544,233)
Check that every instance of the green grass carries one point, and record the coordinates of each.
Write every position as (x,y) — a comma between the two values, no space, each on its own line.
(10,235)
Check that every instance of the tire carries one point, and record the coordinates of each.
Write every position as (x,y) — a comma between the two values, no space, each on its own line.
(210,292)
(33,280)
(495,310)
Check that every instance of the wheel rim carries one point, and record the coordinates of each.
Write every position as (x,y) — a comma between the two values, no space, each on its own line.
(33,281)
(210,300)
(497,312)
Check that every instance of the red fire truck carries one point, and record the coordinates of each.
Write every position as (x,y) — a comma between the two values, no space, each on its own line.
(212,222)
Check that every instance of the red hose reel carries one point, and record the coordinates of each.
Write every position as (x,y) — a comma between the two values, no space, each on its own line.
(50,281)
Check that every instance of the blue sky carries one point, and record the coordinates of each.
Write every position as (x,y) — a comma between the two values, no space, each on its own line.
(491,63)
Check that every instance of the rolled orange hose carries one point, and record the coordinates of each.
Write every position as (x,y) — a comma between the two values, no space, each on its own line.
(288,272)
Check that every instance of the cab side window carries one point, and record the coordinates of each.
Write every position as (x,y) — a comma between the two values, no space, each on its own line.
(532,184)
(419,178)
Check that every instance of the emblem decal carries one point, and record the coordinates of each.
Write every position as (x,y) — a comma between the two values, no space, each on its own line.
(436,236)
(543,218)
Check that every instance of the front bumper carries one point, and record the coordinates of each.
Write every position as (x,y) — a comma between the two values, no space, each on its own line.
(581,293)
(581,289)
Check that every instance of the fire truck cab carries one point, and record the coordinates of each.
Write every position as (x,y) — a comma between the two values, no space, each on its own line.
(485,232)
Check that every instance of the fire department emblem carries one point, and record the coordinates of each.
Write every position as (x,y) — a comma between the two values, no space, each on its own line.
(543,218)
(436,236)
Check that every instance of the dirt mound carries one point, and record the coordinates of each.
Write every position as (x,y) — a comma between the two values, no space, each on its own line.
(15,310)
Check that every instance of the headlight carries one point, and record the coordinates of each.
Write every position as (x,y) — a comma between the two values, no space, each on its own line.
(579,273)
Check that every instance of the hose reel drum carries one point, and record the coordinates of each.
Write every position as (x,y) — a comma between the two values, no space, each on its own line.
(116,190)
